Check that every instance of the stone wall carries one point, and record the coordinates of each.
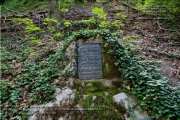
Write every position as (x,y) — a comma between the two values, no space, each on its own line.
(109,69)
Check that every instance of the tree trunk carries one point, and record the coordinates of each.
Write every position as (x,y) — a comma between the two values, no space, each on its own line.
(54,11)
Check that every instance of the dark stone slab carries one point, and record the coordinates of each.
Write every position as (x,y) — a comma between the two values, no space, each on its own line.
(89,61)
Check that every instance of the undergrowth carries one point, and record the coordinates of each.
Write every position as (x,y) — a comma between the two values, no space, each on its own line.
(22,6)
(141,78)
(36,77)
(98,98)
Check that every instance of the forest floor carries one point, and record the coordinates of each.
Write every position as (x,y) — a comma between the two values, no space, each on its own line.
(155,43)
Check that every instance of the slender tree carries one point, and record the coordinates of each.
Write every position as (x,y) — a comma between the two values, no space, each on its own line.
(54,11)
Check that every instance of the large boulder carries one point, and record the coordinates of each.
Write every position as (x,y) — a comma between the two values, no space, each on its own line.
(64,98)
(128,102)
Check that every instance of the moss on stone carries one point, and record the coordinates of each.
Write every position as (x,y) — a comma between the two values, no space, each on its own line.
(117,84)
(77,85)
(109,68)
(99,98)
(77,97)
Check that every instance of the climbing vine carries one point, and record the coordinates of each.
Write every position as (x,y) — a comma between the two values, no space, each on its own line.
(140,77)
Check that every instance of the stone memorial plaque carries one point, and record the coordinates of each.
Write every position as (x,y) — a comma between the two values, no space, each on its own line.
(89,61)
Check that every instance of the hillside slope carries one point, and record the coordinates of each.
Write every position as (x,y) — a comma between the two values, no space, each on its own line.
(27,44)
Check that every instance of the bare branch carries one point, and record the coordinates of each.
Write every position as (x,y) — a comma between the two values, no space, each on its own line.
(11,10)
(161,28)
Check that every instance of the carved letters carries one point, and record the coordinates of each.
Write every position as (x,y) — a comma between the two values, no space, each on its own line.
(89,61)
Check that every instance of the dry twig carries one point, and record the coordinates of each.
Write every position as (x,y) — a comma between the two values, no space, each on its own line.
(161,28)
(11,10)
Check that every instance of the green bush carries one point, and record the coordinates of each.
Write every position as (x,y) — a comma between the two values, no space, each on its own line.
(141,78)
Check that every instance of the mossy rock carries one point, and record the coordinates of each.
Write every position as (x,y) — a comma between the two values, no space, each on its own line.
(95,95)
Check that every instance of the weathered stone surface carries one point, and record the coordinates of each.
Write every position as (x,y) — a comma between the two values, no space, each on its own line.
(109,70)
(57,91)
(121,98)
(61,118)
(127,102)
(89,84)
(33,117)
(69,82)
(71,55)
(107,83)
(64,97)
(94,98)
(141,115)
(106,93)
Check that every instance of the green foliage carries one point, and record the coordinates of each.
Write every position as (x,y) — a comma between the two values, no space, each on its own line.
(9,97)
(64,10)
(38,80)
(141,78)
(10,4)
(23,5)
(67,27)
(4,90)
(98,96)
(165,8)
(5,56)
(99,22)
(36,77)
(104,24)
(64,3)
(99,12)
(122,16)
(49,20)
(67,23)
(117,23)
(90,20)
(31,30)
(20,20)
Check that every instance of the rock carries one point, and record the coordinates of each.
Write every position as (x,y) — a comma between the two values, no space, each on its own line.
(83,84)
(67,91)
(33,117)
(50,104)
(70,81)
(85,96)
(64,94)
(89,84)
(80,108)
(106,93)
(36,108)
(57,91)
(107,83)
(61,118)
(94,97)
(71,53)
(127,102)
(59,97)
(141,115)
(71,50)
(63,97)
(71,67)
(121,99)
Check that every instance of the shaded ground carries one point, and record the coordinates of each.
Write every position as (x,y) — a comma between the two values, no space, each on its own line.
(156,43)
